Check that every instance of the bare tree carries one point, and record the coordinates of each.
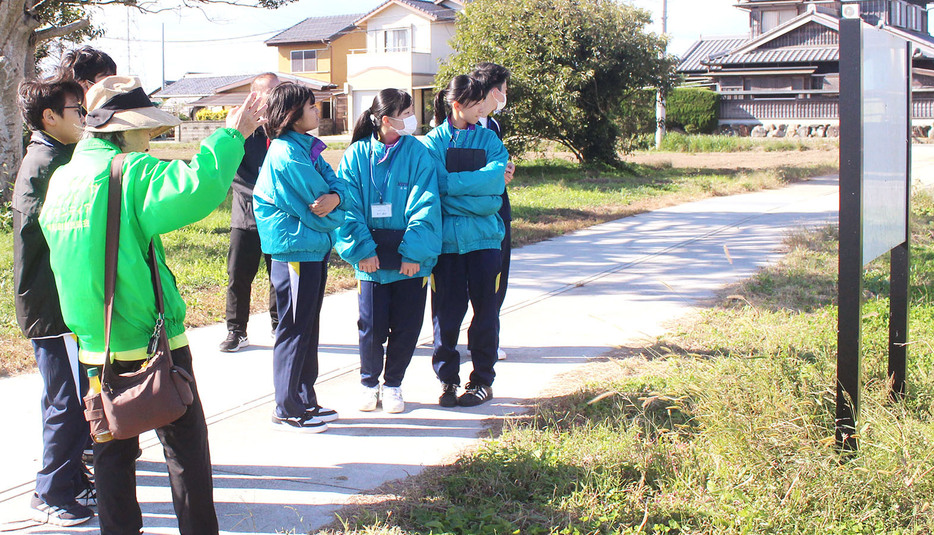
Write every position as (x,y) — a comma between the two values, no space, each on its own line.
(24,26)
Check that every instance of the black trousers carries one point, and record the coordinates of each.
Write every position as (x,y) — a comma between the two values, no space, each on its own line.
(506,251)
(393,312)
(459,279)
(187,457)
(243,259)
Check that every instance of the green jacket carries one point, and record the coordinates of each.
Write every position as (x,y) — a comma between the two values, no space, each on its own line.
(158,197)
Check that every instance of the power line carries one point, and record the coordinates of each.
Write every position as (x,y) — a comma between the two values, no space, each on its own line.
(167,41)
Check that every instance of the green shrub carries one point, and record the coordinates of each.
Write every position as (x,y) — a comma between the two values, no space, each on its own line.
(695,110)
(208,115)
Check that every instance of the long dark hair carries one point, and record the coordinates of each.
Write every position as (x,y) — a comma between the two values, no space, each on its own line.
(387,102)
(285,106)
(462,89)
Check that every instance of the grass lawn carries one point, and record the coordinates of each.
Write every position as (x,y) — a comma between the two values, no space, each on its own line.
(549,198)
(724,426)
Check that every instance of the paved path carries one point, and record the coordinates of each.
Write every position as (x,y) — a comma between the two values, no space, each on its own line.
(570,299)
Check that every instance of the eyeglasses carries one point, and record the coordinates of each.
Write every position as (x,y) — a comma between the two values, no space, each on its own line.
(81,109)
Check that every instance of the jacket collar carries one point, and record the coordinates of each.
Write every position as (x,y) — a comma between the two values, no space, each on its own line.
(96,144)
(308,142)
(42,138)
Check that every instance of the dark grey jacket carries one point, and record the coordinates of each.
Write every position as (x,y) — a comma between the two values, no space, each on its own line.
(37,308)
(241,210)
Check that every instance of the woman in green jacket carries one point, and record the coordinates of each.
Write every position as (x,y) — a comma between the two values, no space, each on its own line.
(157,197)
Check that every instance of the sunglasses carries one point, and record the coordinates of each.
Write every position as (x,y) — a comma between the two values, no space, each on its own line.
(82,111)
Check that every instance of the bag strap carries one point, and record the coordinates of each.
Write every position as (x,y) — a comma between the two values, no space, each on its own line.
(114,193)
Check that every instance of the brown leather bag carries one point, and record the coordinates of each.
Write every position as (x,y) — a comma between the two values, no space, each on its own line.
(156,394)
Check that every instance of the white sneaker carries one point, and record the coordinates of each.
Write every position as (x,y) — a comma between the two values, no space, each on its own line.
(500,354)
(392,399)
(369,398)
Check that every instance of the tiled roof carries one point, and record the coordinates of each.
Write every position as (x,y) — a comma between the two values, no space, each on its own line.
(438,12)
(198,85)
(434,12)
(696,57)
(315,29)
(782,55)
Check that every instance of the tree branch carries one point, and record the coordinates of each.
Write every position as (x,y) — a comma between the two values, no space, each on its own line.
(58,31)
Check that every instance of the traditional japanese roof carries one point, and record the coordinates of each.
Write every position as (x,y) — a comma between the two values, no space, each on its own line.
(432,11)
(199,85)
(697,57)
(315,29)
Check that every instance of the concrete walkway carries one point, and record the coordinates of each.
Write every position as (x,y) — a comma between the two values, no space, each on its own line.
(570,299)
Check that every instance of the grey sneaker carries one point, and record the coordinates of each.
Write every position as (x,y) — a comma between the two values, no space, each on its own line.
(234,342)
(64,516)
(475,394)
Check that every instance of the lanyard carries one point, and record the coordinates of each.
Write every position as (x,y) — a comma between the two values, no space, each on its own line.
(390,156)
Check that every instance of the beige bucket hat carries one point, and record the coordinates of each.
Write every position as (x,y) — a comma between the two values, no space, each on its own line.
(118,103)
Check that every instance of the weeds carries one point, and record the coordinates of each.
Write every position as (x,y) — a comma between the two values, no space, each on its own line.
(724,426)
(675,142)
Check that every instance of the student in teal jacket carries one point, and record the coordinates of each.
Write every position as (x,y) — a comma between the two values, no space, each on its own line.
(297,202)
(392,236)
(471,184)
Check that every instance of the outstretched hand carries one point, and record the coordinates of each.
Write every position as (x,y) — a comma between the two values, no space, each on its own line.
(247,117)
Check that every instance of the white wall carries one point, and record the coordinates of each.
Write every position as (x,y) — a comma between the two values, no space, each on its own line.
(395,17)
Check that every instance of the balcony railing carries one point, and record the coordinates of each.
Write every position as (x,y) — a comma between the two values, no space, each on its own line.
(407,61)
(757,107)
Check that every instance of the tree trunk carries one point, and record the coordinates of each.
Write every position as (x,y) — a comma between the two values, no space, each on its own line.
(16,53)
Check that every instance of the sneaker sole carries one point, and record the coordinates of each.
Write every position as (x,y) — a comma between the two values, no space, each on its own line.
(367,408)
(394,410)
(294,429)
(234,350)
(46,518)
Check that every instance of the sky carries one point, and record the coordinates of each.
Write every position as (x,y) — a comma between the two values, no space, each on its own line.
(223,39)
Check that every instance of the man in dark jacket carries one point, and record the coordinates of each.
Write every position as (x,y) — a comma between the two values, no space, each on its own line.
(245,253)
(54,114)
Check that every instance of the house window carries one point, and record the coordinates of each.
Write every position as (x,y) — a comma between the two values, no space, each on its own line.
(397,40)
(325,110)
(304,61)
(775,18)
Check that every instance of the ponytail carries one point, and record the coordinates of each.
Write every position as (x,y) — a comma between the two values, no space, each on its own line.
(462,89)
(364,127)
(388,102)
(441,111)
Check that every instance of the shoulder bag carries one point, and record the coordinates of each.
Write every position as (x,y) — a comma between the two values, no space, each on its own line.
(158,393)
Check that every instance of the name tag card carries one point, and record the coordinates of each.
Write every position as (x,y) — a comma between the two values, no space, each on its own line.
(381,210)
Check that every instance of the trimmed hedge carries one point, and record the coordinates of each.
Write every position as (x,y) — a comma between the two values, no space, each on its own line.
(696,111)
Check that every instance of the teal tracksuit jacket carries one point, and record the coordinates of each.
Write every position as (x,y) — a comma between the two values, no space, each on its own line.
(469,200)
(293,175)
(403,176)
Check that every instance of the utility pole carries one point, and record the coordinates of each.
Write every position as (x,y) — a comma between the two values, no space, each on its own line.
(660,111)
(161,87)
(129,68)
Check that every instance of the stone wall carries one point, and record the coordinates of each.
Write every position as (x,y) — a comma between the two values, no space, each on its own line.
(194,131)
(780,130)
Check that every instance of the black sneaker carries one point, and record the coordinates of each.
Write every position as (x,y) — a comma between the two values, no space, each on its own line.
(88,496)
(448,395)
(234,342)
(475,394)
(65,515)
(301,424)
(319,412)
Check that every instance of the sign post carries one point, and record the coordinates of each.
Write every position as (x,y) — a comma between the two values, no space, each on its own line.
(875,145)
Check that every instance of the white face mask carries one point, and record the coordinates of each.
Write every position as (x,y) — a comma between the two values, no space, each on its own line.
(410,123)
(500,104)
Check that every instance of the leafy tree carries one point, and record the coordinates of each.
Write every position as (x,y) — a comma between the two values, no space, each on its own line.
(573,63)
(26,26)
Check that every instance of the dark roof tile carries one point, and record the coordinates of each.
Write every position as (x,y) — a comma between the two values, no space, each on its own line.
(315,29)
